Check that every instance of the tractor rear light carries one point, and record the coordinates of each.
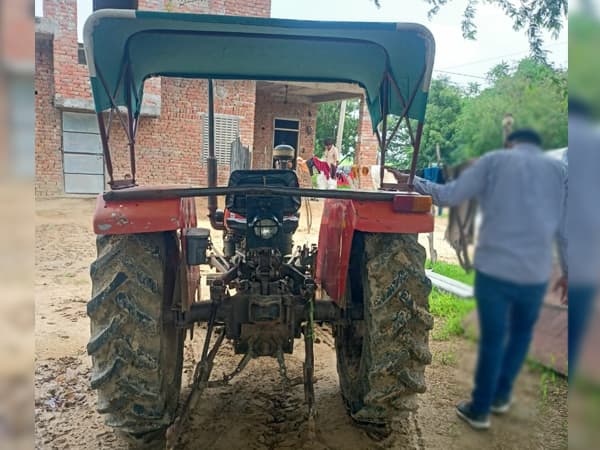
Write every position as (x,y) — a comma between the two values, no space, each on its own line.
(412,203)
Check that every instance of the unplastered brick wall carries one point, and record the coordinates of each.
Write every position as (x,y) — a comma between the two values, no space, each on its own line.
(48,138)
(367,145)
(70,78)
(168,147)
(267,110)
(253,8)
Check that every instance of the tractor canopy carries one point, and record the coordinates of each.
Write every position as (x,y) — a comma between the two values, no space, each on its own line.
(392,62)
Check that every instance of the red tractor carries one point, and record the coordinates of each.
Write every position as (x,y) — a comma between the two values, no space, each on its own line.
(368,262)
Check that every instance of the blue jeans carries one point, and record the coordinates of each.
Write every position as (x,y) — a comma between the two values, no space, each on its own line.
(507,314)
(581,298)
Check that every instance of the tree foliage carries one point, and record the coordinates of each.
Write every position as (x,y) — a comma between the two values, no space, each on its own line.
(467,121)
(532,16)
(446,101)
(534,93)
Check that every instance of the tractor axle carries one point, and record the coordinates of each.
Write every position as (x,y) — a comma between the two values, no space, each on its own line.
(324,311)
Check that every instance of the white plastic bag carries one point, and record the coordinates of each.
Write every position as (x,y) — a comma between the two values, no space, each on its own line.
(321,181)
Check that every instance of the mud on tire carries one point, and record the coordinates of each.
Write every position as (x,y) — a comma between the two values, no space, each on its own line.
(381,360)
(136,351)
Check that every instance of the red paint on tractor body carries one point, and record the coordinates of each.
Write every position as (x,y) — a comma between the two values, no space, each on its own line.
(143,216)
(341,218)
(150,216)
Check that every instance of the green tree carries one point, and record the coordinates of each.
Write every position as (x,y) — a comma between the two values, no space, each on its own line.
(535,94)
(498,72)
(446,102)
(467,125)
(399,150)
(327,123)
(532,16)
(444,107)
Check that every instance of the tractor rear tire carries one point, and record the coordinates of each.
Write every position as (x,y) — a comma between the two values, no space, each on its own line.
(136,350)
(381,359)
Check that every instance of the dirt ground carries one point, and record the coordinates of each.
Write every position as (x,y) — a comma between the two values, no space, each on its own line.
(255,411)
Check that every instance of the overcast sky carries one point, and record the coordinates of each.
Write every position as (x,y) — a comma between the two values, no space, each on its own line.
(467,60)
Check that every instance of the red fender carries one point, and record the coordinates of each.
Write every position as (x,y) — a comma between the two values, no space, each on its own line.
(143,216)
(149,216)
(340,219)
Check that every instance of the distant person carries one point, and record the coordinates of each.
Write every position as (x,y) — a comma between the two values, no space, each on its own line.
(331,156)
(583,225)
(521,194)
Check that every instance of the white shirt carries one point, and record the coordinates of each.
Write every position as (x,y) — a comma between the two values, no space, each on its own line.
(522,196)
(332,155)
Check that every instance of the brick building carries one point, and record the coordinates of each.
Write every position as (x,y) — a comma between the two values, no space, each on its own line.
(171,144)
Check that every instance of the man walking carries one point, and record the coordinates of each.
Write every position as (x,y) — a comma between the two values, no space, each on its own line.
(521,194)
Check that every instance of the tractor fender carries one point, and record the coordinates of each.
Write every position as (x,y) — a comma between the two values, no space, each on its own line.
(143,216)
(340,220)
(149,216)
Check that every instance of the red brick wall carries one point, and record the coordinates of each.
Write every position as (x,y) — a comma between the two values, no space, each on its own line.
(168,147)
(48,138)
(70,78)
(253,8)
(367,145)
(267,110)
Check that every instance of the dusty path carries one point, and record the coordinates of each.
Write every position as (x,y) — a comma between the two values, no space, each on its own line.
(255,411)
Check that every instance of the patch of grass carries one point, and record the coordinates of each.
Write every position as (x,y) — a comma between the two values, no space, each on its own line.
(548,379)
(452,271)
(451,310)
(447,358)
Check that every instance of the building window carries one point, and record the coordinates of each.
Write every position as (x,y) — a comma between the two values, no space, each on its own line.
(227,130)
(83,163)
(286,131)
(81,54)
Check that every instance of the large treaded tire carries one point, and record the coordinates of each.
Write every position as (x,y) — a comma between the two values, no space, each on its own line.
(381,360)
(137,353)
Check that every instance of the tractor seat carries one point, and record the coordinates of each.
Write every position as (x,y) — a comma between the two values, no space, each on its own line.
(280,205)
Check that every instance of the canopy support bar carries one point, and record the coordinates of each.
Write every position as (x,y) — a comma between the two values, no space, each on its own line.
(129,125)
(383,139)
(384,116)
(413,166)
(105,148)
(414,140)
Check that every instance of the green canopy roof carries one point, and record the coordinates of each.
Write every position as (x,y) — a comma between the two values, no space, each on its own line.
(388,60)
